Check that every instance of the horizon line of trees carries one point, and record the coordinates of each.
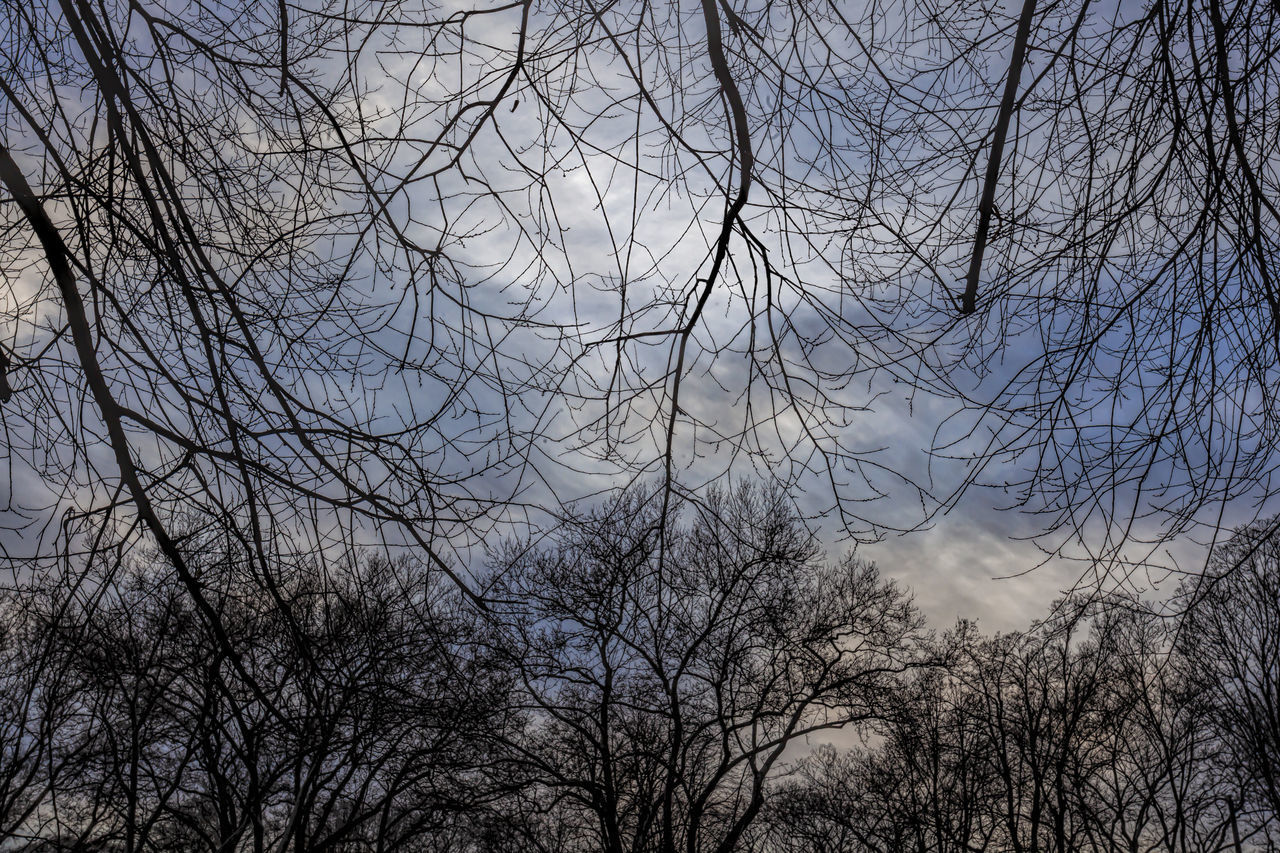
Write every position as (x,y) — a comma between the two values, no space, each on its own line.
(704,681)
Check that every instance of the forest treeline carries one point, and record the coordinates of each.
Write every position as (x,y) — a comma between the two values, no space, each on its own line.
(708,684)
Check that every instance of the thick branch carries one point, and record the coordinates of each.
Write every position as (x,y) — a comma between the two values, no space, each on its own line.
(987,204)
(746,166)
(56,253)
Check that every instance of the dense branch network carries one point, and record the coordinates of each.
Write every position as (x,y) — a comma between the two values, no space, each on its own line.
(402,273)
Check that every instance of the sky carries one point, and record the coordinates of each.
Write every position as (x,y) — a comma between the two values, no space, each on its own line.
(531,214)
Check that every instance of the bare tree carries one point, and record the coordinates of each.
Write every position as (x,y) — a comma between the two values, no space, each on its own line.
(1229,640)
(667,684)
(43,731)
(927,784)
(1036,741)
(377,729)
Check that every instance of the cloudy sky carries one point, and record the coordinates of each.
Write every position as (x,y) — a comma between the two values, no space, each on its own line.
(516,214)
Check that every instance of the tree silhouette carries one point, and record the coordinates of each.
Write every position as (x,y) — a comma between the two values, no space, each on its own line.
(666,685)
(1230,639)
